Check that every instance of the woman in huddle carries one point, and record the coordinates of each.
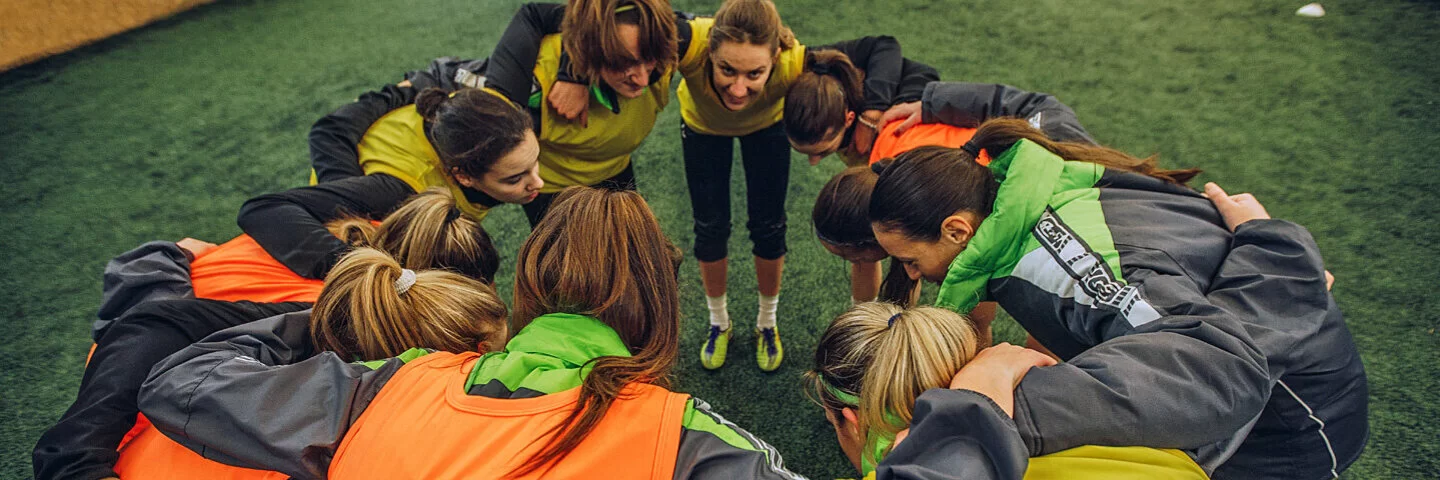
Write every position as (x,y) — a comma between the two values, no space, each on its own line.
(1212,327)
(626,46)
(874,362)
(371,309)
(579,388)
(147,315)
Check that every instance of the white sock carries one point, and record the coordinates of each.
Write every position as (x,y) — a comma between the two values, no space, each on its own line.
(719,315)
(768,305)
(854,301)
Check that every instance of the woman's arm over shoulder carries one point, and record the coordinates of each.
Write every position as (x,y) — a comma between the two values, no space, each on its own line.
(511,66)
(1160,386)
(334,138)
(957,434)
(153,271)
(967,105)
(713,448)
(255,375)
(882,61)
(914,77)
(290,225)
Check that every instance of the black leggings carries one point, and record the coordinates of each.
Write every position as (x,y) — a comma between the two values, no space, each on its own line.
(765,155)
(536,209)
(82,444)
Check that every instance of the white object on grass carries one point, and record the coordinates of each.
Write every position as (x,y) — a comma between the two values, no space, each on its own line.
(1311,10)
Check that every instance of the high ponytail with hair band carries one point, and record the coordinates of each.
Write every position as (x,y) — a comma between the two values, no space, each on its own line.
(829,87)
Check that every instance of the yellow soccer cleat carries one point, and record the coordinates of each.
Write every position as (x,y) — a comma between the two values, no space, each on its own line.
(768,350)
(712,353)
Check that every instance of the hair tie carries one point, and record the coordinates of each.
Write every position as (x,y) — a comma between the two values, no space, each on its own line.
(880,166)
(625,8)
(406,280)
(892,320)
(820,68)
(453,214)
(970,148)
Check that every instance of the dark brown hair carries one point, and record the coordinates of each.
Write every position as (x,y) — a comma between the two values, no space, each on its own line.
(471,129)
(750,22)
(828,88)
(601,253)
(593,41)
(921,187)
(841,211)
(841,218)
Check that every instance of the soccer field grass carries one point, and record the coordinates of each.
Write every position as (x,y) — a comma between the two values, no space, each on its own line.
(163,132)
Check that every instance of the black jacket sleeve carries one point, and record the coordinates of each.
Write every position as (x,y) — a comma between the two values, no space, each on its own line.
(1274,272)
(251,375)
(157,270)
(334,138)
(290,225)
(967,105)
(510,69)
(957,434)
(914,77)
(881,59)
(81,445)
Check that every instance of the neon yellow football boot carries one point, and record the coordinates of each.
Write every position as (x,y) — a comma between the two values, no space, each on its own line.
(768,350)
(712,353)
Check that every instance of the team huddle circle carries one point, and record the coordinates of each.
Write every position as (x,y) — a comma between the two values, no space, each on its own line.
(1173,330)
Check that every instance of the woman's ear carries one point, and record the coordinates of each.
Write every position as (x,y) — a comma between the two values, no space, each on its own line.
(958,228)
(849,119)
(852,421)
(463,179)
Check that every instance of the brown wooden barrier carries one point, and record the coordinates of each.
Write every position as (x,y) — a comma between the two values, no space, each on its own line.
(35,29)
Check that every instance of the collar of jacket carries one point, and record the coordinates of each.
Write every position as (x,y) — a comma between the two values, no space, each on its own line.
(547,355)
(1029,176)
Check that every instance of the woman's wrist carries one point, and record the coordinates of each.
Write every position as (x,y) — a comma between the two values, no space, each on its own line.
(871,118)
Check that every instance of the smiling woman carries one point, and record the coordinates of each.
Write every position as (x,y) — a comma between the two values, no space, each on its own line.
(735,89)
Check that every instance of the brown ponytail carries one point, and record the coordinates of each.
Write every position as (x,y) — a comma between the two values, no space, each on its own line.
(750,22)
(828,88)
(593,41)
(362,313)
(998,135)
(601,253)
(921,187)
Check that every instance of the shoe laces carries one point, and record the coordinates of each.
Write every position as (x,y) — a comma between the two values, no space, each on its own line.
(768,336)
(710,342)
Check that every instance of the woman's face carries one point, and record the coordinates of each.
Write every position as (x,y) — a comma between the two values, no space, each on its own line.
(515,177)
(630,82)
(929,260)
(833,141)
(740,71)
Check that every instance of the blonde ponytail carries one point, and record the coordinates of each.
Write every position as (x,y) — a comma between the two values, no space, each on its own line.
(363,313)
(887,356)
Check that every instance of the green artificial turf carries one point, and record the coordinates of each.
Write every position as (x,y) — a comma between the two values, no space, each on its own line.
(161,133)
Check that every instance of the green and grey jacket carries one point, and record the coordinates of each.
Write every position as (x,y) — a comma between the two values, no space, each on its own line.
(1176,333)
(236,397)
